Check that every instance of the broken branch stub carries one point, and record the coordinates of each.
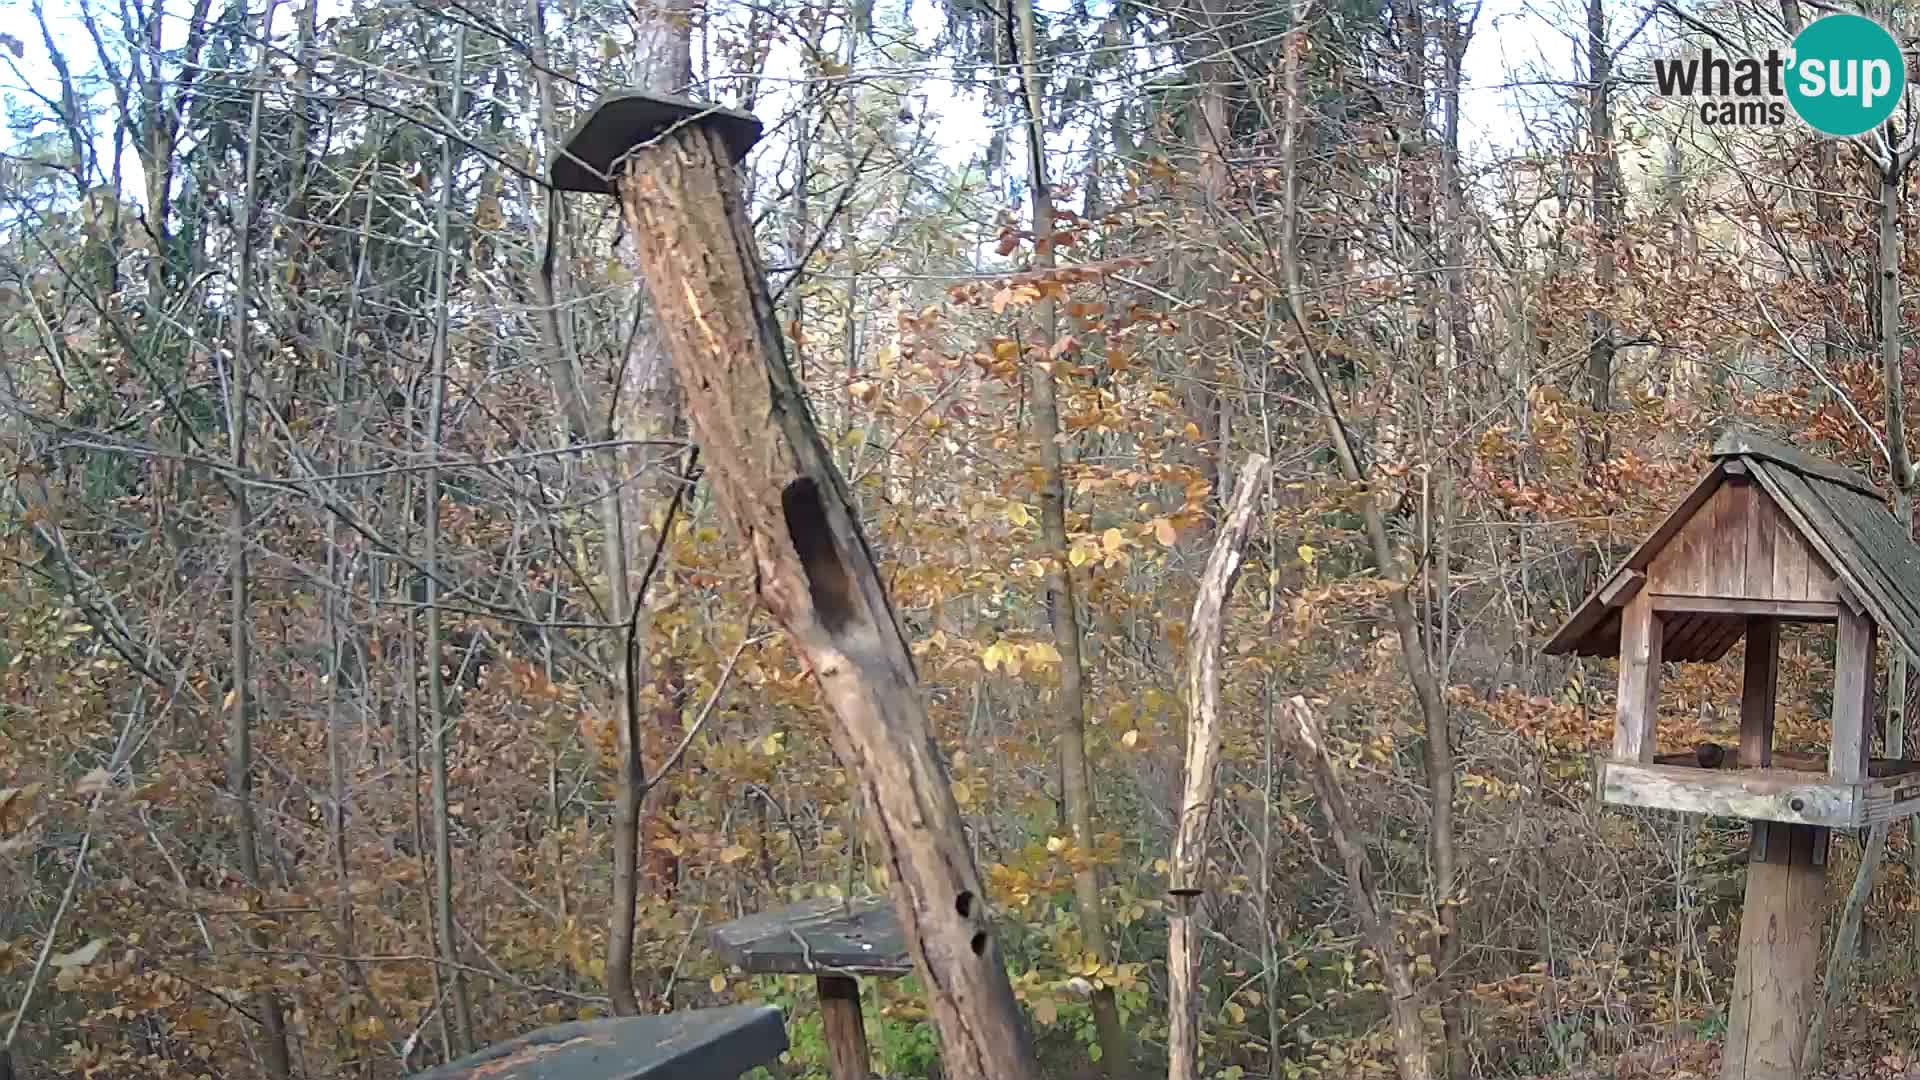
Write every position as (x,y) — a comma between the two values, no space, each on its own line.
(788,506)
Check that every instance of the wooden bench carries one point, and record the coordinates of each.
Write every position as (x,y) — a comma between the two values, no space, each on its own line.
(693,1044)
(834,941)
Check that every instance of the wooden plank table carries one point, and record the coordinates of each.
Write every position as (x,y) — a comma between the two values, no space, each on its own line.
(835,941)
(692,1044)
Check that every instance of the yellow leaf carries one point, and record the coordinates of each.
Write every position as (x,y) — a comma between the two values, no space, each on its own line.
(1130,738)
(1078,556)
(1192,431)
(1018,515)
(995,655)
(1056,844)
(962,794)
(1112,540)
(1239,1014)
(1043,652)
(1307,553)
(1164,532)
(717,984)
(733,853)
(233,696)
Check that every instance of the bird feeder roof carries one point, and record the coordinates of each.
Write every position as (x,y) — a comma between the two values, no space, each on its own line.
(1836,515)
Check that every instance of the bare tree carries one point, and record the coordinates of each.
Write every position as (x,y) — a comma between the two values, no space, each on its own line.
(239,716)
(1076,789)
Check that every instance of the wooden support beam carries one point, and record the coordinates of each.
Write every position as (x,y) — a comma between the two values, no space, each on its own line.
(1773,993)
(1757,686)
(1851,599)
(1622,587)
(1849,747)
(1637,704)
(846,1030)
(1792,610)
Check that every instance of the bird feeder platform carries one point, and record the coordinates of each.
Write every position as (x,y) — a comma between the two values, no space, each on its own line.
(835,941)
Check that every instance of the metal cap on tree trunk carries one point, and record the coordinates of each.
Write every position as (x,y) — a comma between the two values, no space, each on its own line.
(626,119)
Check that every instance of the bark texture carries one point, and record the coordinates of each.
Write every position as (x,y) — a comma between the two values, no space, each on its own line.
(1184,925)
(789,509)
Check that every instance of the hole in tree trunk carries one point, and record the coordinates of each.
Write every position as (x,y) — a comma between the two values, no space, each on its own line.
(827,579)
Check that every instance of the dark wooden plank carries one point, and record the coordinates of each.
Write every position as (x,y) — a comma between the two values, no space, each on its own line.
(624,118)
(1757,688)
(1796,610)
(719,1043)
(1676,634)
(861,937)
(1731,631)
(1637,704)
(1850,741)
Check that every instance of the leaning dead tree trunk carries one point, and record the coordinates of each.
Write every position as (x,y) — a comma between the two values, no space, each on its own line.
(790,510)
(1376,922)
(1203,753)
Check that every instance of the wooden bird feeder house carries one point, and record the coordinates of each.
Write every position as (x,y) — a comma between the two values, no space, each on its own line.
(1769,535)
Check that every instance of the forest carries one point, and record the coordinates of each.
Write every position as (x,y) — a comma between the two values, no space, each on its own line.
(1255,384)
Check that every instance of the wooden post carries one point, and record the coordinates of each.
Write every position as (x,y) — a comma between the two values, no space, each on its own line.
(1773,995)
(1638,703)
(791,514)
(846,1029)
(1757,692)
(1851,745)
(1185,879)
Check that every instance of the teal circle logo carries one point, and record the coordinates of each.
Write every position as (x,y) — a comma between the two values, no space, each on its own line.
(1847,75)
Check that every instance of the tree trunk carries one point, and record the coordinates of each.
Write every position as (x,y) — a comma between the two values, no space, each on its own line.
(1076,789)
(789,509)
(1604,208)
(1844,958)
(1203,754)
(650,412)
(437,719)
(239,718)
(1376,921)
(1413,651)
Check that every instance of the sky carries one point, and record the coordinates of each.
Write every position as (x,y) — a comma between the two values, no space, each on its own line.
(1514,41)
